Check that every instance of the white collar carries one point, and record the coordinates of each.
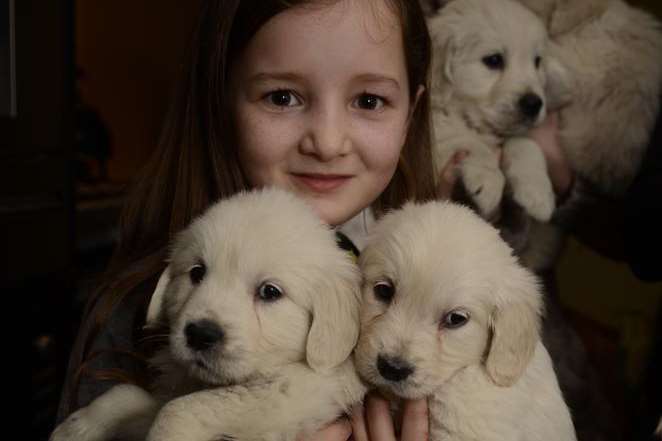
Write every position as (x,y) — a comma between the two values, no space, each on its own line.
(358,228)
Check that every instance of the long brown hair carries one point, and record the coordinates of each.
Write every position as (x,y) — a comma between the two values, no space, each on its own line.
(196,162)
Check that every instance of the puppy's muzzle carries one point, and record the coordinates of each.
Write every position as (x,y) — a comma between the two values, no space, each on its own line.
(203,334)
(529,105)
(393,368)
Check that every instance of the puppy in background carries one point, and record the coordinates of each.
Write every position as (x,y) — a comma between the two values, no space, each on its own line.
(449,314)
(489,88)
(261,307)
(602,75)
(611,52)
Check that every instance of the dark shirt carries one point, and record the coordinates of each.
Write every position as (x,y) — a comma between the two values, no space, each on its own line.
(643,214)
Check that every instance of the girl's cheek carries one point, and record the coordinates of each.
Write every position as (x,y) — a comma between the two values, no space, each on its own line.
(384,143)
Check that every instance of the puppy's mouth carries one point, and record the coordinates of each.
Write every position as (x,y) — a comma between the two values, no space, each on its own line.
(409,389)
(515,126)
(203,366)
(509,122)
(203,370)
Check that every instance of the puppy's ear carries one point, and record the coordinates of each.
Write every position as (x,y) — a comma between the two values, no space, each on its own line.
(558,87)
(443,51)
(335,327)
(154,309)
(515,326)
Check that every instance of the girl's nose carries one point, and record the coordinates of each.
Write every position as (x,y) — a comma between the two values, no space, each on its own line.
(327,134)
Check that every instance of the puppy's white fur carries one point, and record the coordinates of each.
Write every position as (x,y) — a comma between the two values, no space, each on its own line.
(490,379)
(477,107)
(606,55)
(611,52)
(282,366)
(601,71)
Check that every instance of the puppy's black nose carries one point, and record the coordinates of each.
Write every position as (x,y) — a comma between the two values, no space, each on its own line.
(393,369)
(203,334)
(530,105)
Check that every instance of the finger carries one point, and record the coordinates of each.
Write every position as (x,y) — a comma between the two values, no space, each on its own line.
(459,156)
(415,425)
(341,430)
(449,175)
(359,430)
(337,431)
(378,419)
(447,181)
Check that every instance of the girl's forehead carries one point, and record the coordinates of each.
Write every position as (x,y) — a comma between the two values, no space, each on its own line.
(359,33)
(377,16)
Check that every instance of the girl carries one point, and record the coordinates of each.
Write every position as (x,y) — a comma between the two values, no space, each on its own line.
(325,98)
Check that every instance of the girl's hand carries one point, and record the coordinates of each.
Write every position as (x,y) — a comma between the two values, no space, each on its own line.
(449,175)
(340,430)
(547,137)
(374,422)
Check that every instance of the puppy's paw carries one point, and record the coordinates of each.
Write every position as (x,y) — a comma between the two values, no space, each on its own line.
(526,171)
(536,196)
(484,184)
(79,427)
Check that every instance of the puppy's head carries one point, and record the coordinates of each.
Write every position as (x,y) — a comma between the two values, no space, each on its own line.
(442,292)
(255,283)
(489,63)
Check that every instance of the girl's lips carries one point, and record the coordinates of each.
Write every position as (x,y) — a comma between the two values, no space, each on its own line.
(321,183)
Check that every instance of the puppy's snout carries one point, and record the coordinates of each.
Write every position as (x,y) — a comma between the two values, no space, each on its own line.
(394,368)
(530,105)
(203,334)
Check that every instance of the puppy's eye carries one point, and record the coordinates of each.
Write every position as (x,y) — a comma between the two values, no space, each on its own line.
(197,273)
(384,291)
(455,319)
(538,61)
(269,292)
(494,61)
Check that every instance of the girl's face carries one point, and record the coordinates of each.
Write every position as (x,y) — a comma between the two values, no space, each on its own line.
(322,104)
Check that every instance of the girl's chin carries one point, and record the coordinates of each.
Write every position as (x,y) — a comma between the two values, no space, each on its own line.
(334,207)
(331,214)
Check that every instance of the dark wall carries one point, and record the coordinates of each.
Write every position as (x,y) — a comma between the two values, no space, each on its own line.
(130,54)
(37,202)
(35,147)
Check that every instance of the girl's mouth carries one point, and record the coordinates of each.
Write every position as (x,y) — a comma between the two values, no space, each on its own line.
(321,183)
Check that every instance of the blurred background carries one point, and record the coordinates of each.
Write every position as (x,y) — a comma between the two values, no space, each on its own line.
(84,87)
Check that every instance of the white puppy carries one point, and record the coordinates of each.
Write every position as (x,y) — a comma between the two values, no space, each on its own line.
(449,314)
(611,52)
(489,81)
(262,311)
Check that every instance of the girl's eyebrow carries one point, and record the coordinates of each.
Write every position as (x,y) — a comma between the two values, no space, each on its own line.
(294,76)
(377,78)
(283,76)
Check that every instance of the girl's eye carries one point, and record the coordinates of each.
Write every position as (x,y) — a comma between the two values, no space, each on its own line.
(494,61)
(384,291)
(537,61)
(197,273)
(455,319)
(269,292)
(283,98)
(368,101)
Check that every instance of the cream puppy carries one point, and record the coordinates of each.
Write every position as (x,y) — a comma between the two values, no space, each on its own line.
(489,87)
(449,314)
(262,312)
(611,52)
